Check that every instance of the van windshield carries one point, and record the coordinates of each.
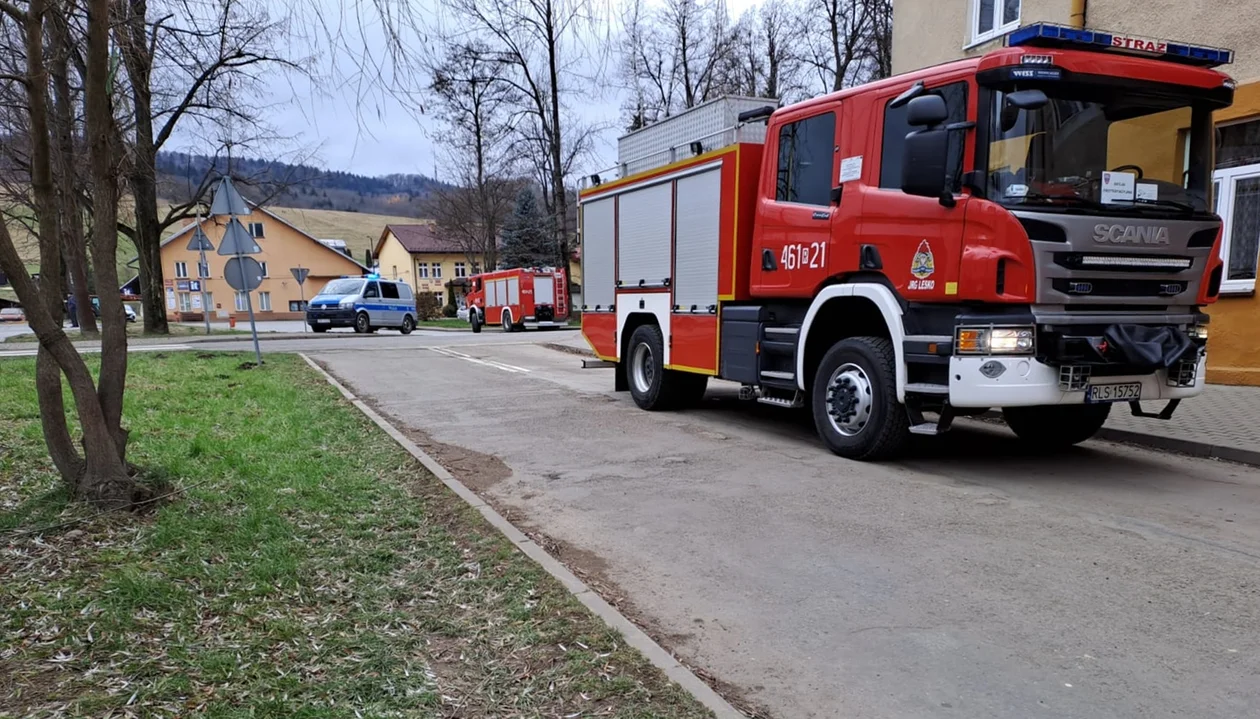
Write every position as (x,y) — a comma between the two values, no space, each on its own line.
(340,288)
(1110,150)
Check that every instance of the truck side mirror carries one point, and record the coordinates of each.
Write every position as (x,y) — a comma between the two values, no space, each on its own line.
(926,111)
(924,164)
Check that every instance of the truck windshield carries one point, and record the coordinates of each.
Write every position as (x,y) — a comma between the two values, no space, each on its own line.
(339,288)
(1154,148)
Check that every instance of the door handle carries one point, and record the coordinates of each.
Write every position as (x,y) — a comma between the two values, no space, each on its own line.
(767,261)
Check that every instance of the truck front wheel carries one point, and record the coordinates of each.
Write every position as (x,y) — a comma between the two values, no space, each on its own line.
(854,400)
(1056,426)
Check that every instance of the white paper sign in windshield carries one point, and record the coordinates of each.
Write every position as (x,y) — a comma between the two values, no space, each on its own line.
(1118,187)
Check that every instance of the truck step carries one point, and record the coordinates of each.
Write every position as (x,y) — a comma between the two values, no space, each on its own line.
(927,388)
(783,331)
(796,401)
(785,376)
(930,429)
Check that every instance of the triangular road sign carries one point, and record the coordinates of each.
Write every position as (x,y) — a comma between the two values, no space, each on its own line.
(199,241)
(227,201)
(237,240)
(300,273)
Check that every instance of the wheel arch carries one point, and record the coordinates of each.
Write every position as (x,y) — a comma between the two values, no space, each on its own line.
(850,310)
(507,311)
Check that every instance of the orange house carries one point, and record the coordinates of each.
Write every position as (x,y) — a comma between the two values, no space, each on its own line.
(280,297)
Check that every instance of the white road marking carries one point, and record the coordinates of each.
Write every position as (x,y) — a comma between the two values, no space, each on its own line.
(488,363)
(93,350)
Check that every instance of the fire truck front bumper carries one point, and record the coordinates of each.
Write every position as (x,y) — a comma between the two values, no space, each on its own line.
(1004,381)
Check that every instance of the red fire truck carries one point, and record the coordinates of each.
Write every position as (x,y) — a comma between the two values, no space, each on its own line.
(519,298)
(1030,230)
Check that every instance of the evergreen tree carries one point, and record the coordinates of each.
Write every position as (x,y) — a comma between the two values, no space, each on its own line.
(527,236)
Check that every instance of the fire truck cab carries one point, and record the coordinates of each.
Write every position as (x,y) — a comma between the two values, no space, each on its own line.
(1030,230)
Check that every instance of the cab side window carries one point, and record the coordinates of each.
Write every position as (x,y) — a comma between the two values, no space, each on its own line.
(389,290)
(896,128)
(807,160)
(371,290)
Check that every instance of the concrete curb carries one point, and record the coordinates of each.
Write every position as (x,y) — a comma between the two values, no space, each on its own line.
(634,636)
(1188,447)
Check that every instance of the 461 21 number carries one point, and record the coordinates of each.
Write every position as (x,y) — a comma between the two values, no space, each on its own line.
(804,256)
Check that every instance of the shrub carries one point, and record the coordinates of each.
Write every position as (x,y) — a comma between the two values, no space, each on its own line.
(427,307)
(450,311)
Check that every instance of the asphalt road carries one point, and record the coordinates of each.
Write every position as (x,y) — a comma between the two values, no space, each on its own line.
(972,580)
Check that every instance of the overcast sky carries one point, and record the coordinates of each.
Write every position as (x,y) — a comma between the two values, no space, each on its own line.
(380,136)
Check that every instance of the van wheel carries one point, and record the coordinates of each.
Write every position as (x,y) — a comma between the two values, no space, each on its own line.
(408,325)
(506,321)
(854,400)
(362,324)
(475,321)
(1056,426)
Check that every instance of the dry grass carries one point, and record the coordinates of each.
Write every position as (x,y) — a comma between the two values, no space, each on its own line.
(360,231)
(310,568)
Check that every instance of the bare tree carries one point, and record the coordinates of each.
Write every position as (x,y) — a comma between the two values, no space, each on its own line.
(100,474)
(855,46)
(766,60)
(180,59)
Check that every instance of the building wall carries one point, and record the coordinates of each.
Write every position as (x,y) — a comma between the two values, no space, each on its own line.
(396,263)
(283,247)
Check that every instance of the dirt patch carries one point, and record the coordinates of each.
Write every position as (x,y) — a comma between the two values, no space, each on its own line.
(569,350)
(477,470)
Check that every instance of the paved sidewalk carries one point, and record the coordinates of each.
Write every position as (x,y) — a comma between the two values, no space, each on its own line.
(1221,423)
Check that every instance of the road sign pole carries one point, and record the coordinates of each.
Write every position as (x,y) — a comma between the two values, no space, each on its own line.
(205,306)
(249,305)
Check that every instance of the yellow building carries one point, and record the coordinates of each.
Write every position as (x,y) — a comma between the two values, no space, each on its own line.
(421,257)
(278,298)
(928,32)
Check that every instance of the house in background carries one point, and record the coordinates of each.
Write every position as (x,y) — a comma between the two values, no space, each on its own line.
(929,32)
(278,298)
(421,257)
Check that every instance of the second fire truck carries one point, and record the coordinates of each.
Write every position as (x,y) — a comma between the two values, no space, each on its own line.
(1030,230)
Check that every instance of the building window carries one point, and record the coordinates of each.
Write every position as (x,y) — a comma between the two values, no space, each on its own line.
(992,18)
(896,128)
(185,302)
(438,296)
(256,230)
(209,301)
(807,160)
(1236,189)
(297,306)
(264,269)
(181,269)
(264,301)
(422,270)
(437,270)
(241,305)
(203,270)
(460,270)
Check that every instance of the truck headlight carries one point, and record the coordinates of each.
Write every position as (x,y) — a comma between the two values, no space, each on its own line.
(1199,332)
(995,340)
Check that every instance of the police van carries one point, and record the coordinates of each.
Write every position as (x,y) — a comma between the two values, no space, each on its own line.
(366,303)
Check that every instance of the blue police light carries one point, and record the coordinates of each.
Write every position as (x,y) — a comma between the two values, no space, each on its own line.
(1050,35)
(372,276)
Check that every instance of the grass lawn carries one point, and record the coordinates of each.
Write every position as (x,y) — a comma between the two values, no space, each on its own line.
(445,322)
(136,329)
(310,568)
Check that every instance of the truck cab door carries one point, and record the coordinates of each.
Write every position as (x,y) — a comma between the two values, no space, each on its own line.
(794,214)
(919,239)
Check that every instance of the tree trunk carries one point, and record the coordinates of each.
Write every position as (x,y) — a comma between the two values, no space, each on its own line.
(148,232)
(52,416)
(560,200)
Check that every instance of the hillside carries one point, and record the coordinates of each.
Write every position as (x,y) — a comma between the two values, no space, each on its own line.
(359,230)
(299,186)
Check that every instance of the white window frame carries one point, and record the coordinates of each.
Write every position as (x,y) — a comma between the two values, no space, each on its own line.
(422,270)
(256,230)
(241,304)
(264,301)
(185,302)
(975,37)
(203,270)
(264,269)
(181,270)
(437,270)
(460,270)
(1224,181)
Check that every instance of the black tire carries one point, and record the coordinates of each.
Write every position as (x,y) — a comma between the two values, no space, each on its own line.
(317,329)
(408,325)
(871,423)
(658,389)
(362,324)
(475,321)
(1056,426)
(506,320)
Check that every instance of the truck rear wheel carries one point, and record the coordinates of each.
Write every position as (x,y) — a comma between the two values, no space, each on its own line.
(854,400)
(653,387)
(506,321)
(1056,426)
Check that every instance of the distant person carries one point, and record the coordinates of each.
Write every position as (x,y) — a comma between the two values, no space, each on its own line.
(73,310)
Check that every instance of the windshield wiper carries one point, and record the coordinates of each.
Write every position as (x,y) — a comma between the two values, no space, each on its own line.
(1042,197)
(1162,202)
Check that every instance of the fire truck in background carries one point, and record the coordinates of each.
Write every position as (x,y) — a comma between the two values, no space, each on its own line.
(518,299)
(1030,230)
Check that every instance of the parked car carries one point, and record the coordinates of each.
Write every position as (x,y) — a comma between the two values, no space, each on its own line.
(12,314)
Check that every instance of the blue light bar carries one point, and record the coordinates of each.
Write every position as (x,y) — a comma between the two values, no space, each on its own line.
(1050,35)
